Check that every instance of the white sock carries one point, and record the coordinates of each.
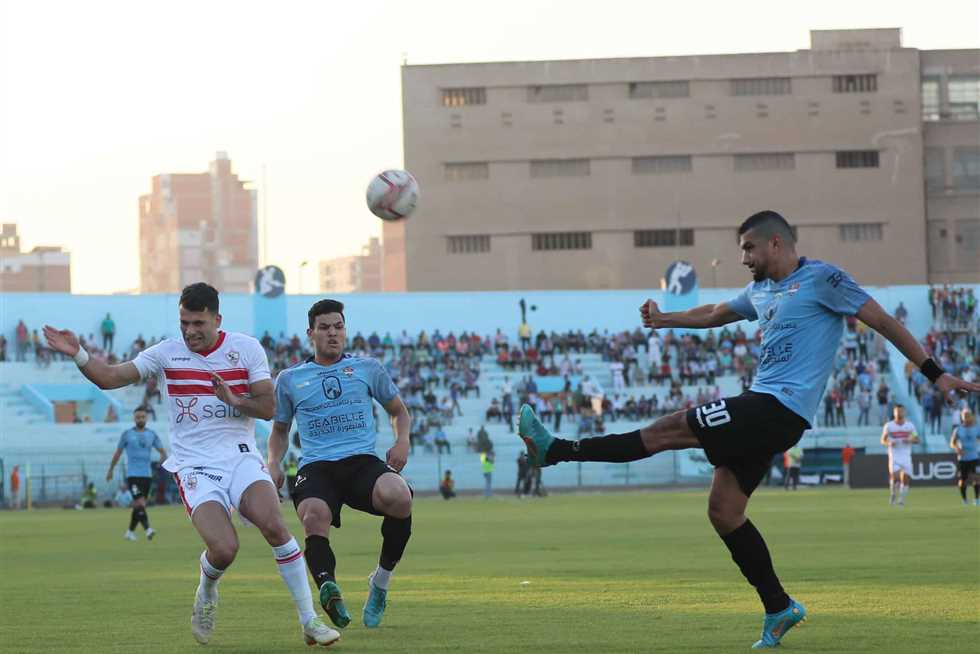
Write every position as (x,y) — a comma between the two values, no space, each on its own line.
(292,569)
(381,578)
(209,577)
(904,491)
(891,491)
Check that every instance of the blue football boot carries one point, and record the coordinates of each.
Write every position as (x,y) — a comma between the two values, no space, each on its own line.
(537,438)
(776,625)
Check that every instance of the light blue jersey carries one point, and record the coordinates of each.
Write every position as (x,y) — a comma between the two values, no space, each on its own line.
(138,446)
(801,322)
(333,405)
(967,437)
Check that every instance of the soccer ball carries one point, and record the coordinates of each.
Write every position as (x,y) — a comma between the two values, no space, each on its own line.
(392,195)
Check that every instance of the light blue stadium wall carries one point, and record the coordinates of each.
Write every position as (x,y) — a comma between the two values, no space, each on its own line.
(156,315)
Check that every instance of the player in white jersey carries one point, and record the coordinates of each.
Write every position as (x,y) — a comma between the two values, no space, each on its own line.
(216,383)
(899,435)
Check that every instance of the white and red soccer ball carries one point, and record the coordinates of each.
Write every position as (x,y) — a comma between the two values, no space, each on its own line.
(392,195)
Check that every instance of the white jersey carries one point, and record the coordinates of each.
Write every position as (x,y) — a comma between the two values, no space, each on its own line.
(899,440)
(204,431)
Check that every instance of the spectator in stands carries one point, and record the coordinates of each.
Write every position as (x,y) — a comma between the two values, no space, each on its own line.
(483,442)
(89,497)
(902,314)
(523,476)
(846,454)
(442,441)
(617,371)
(884,398)
(936,405)
(108,329)
(524,333)
(493,411)
(447,487)
(22,340)
(794,459)
(864,407)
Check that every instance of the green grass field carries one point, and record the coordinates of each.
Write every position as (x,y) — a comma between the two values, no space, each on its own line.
(614,572)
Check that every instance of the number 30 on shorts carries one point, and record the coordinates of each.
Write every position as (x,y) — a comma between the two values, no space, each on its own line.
(713,415)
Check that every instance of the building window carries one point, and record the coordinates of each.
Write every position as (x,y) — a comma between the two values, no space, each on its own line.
(857,159)
(673,89)
(464,97)
(861,232)
(661,165)
(930,98)
(560,168)
(460,172)
(966,169)
(562,241)
(855,83)
(662,238)
(964,97)
(762,86)
(935,169)
(558,93)
(765,161)
(469,244)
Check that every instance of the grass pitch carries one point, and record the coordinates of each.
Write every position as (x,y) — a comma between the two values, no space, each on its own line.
(613,572)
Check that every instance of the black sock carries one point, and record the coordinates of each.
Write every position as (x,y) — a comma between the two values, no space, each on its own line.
(751,555)
(614,448)
(963,491)
(134,518)
(320,559)
(976,491)
(144,518)
(395,533)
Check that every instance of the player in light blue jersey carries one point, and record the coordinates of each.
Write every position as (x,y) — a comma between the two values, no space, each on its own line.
(331,397)
(138,443)
(800,306)
(964,440)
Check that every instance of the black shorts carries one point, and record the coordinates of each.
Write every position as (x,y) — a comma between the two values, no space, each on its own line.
(138,486)
(968,469)
(348,481)
(744,433)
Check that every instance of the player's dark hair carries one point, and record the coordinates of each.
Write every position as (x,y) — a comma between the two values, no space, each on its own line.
(199,297)
(140,408)
(768,223)
(899,406)
(323,307)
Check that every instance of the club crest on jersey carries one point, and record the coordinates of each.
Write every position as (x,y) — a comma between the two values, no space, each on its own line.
(233,357)
(773,307)
(332,388)
(349,371)
(793,288)
(191,481)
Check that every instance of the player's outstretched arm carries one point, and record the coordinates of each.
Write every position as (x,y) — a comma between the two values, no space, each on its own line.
(278,443)
(872,315)
(954,441)
(100,373)
(112,464)
(402,421)
(884,435)
(707,315)
(261,402)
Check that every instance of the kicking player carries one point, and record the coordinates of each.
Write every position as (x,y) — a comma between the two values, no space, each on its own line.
(137,443)
(216,383)
(799,305)
(964,441)
(331,397)
(899,435)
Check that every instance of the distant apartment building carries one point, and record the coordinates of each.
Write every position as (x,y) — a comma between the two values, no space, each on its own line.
(45,269)
(599,173)
(357,274)
(199,227)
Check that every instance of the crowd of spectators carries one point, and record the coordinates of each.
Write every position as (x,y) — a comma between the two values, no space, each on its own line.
(953,309)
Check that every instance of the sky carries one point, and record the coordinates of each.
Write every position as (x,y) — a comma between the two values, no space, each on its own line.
(98,97)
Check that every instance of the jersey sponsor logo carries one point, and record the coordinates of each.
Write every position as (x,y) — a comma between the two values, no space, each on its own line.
(186,410)
(835,279)
(713,415)
(180,358)
(332,388)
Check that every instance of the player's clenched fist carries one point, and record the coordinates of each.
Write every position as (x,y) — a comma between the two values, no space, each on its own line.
(649,312)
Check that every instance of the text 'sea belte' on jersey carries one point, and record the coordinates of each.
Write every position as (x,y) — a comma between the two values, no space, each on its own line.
(203,429)
(801,318)
(138,445)
(333,405)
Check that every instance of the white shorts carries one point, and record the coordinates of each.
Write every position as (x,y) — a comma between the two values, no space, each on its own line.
(224,485)
(903,464)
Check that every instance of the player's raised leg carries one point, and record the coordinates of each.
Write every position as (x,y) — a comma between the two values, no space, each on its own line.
(316,517)
(212,522)
(670,432)
(259,503)
(391,497)
(726,511)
